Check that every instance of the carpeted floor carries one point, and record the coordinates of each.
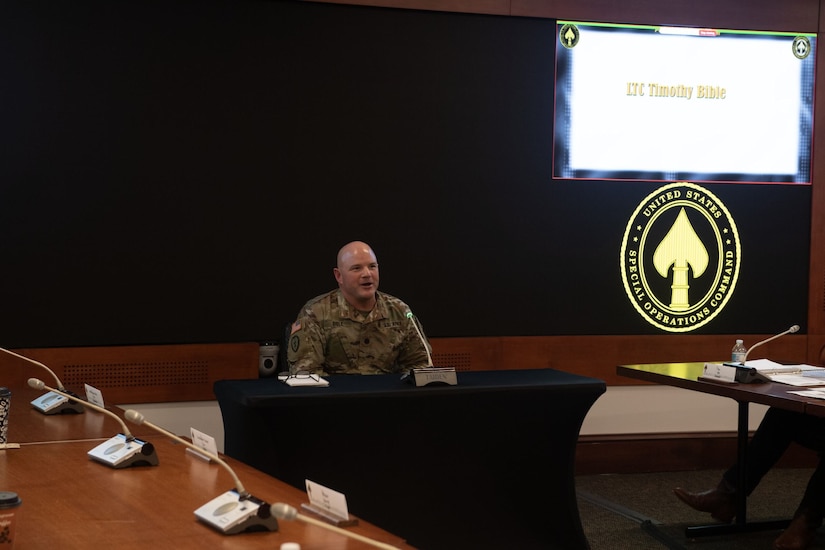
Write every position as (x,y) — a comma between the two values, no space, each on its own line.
(640,511)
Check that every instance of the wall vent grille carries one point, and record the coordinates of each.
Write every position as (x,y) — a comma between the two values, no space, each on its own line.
(137,374)
(459,361)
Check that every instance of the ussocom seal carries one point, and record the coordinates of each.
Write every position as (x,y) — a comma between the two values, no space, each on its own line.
(680,257)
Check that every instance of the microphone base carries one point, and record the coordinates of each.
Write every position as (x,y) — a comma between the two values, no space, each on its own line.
(54,403)
(434,376)
(747,375)
(118,452)
(231,514)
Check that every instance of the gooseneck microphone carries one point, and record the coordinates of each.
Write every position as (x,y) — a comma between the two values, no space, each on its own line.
(38,384)
(285,511)
(137,418)
(235,511)
(411,317)
(121,451)
(52,402)
(791,330)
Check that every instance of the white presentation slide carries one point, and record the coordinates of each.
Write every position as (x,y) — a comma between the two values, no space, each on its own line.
(650,102)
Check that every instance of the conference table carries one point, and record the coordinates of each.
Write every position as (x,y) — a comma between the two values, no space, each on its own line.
(687,376)
(486,463)
(70,501)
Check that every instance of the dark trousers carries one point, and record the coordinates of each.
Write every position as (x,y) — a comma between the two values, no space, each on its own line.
(775,434)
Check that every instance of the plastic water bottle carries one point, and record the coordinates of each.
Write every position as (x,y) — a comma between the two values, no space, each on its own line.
(737,354)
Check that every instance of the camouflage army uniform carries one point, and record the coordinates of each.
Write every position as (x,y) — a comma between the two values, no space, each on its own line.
(332,337)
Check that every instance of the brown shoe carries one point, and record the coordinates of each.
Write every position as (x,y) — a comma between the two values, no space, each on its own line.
(720,502)
(799,534)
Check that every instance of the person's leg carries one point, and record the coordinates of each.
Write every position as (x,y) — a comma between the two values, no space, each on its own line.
(808,517)
(813,501)
(770,441)
(776,432)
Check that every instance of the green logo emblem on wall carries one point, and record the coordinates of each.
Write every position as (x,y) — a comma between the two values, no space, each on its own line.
(680,257)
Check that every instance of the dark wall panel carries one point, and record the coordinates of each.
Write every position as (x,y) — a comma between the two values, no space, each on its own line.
(185,171)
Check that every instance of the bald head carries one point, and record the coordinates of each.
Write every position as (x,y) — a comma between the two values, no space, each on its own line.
(355,248)
(356,271)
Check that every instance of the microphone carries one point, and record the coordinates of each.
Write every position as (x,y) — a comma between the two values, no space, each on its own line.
(411,317)
(235,511)
(51,403)
(285,511)
(791,330)
(120,451)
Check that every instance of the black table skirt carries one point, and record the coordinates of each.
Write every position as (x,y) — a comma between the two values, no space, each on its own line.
(485,464)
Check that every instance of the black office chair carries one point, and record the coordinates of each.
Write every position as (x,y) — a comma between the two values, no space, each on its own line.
(283,363)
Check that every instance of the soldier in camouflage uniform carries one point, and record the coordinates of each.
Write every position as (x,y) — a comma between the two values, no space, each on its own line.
(355,329)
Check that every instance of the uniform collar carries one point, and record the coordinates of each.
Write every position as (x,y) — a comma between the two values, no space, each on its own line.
(349,312)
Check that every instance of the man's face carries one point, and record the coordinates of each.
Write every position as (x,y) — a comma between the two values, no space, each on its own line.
(357,276)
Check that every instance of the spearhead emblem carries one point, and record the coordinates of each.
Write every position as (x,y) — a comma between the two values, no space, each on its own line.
(683,249)
(569,36)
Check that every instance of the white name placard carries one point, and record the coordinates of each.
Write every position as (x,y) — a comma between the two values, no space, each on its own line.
(203,441)
(324,499)
(94,396)
(719,373)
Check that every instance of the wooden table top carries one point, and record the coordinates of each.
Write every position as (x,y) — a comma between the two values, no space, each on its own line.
(71,501)
(685,375)
(27,425)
